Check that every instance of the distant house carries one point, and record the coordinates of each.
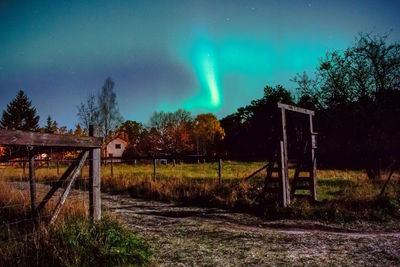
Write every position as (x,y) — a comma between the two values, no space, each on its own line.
(116,147)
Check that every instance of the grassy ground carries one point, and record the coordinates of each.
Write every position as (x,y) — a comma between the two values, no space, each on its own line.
(342,194)
(72,241)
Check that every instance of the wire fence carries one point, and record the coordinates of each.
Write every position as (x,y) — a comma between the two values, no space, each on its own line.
(17,220)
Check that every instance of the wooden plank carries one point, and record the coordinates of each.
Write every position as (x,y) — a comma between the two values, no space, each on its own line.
(284,156)
(154,169)
(59,183)
(296,109)
(69,186)
(32,182)
(95,178)
(219,170)
(283,176)
(313,172)
(254,173)
(23,138)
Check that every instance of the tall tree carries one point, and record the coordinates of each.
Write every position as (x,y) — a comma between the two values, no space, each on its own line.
(88,112)
(171,132)
(78,130)
(20,115)
(109,116)
(54,127)
(357,92)
(207,130)
(49,125)
(138,138)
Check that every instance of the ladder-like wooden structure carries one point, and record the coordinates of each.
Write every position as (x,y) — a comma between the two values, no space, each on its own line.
(276,183)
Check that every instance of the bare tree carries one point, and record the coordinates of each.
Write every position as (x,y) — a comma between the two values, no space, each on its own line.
(88,112)
(109,117)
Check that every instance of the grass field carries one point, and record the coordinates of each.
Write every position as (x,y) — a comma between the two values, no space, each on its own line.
(342,194)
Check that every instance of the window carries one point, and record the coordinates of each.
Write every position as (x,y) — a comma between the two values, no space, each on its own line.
(117,146)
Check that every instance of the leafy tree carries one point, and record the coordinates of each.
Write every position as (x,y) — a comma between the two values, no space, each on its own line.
(137,136)
(356,93)
(78,130)
(54,127)
(62,130)
(171,131)
(49,123)
(20,115)
(208,131)
(255,130)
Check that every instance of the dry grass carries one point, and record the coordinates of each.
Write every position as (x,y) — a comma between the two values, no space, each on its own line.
(342,194)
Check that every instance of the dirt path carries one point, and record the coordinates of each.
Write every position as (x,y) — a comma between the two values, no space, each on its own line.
(192,236)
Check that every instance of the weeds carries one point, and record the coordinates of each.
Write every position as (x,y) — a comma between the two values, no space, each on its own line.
(342,194)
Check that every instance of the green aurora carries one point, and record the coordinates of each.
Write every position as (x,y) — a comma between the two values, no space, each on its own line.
(204,56)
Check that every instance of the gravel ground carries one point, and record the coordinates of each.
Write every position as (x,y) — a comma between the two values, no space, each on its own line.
(192,236)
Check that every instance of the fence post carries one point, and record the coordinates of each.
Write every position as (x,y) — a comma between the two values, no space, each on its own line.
(154,169)
(219,170)
(111,166)
(23,169)
(58,167)
(94,177)
(32,183)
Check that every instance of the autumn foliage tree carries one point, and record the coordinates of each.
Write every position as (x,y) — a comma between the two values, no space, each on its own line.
(208,131)
(170,132)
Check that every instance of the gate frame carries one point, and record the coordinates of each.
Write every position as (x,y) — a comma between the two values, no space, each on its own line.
(39,142)
(284,152)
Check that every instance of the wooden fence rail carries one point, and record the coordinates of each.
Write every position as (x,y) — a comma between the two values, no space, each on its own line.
(39,143)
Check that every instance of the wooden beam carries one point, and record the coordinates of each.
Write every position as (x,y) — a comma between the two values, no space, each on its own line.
(219,170)
(59,183)
(94,178)
(296,109)
(23,138)
(32,182)
(282,175)
(284,156)
(313,160)
(254,173)
(66,191)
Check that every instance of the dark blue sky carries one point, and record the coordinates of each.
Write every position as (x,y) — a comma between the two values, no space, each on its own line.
(205,56)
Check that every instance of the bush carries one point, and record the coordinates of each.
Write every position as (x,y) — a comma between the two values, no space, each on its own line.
(77,242)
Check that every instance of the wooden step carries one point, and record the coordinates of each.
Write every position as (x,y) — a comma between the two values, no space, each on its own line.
(302,196)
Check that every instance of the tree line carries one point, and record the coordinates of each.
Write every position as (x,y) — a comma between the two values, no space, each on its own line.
(355,93)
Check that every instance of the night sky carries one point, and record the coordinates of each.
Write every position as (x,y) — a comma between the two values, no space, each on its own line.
(204,56)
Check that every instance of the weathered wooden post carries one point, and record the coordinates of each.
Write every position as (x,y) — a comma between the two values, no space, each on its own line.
(23,168)
(32,182)
(111,165)
(58,167)
(284,154)
(94,178)
(219,170)
(154,169)
(313,160)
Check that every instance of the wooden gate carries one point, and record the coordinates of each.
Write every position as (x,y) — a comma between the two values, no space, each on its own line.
(36,143)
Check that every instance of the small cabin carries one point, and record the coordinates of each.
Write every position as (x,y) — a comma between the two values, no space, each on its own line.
(116,147)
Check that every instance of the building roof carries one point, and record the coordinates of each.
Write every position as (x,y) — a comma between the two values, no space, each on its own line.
(119,138)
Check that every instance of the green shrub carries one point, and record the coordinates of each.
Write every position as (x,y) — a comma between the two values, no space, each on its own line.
(76,242)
